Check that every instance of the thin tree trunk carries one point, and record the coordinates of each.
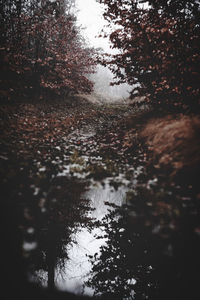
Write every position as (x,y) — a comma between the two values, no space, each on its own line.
(51,255)
(51,269)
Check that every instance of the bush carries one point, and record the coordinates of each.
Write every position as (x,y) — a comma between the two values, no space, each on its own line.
(158,49)
(42,52)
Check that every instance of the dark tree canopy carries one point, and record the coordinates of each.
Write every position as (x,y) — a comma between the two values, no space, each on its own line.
(158,44)
(42,51)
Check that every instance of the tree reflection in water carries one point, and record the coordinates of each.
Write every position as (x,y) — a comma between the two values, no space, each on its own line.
(152,250)
(64,211)
(122,261)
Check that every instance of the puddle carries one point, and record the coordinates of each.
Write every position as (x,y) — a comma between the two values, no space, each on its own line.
(69,242)
(77,268)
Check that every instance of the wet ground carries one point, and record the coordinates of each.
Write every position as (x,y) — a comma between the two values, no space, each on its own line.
(87,211)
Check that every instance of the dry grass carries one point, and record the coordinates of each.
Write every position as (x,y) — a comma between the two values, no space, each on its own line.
(174,141)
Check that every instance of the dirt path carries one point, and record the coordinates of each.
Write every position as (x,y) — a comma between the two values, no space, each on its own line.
(64,164)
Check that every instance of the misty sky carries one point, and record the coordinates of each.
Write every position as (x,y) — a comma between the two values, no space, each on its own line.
(90,17)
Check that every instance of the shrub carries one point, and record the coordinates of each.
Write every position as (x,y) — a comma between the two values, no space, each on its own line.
(158,49)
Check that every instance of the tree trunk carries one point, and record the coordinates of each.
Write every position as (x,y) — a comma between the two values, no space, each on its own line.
(51,255)
(51,269)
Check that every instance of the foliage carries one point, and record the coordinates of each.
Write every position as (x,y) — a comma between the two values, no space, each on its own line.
(158,49)
(42,50)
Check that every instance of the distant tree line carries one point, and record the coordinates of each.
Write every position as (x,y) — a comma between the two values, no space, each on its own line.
(42,52)
(159,49)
